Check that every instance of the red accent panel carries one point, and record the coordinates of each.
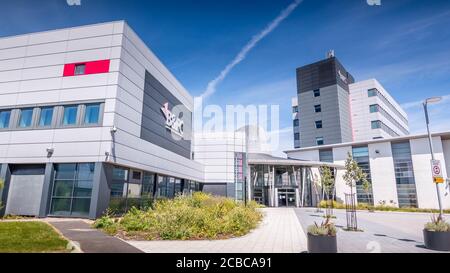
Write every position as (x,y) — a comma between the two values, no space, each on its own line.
(94,67)
(69,70)
(97,67)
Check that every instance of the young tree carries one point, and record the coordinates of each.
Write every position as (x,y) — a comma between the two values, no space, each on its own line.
(328,183)
(327,180)
(367,187)
(353,173)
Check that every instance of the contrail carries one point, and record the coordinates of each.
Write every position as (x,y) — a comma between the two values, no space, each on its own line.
(211,88)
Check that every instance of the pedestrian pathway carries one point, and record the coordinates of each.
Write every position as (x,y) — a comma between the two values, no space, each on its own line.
(91,240)
(280,232)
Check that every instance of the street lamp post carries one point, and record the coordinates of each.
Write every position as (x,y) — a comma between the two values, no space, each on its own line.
(430,140)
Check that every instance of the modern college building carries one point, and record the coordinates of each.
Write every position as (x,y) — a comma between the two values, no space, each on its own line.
(90,119)
(87,122)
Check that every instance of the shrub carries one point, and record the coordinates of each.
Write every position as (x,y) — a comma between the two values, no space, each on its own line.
(326,228)
(200,216)
(437,224)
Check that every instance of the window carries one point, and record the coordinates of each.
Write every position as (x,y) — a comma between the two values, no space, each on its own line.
(317,93)
(72,189)
(80,69)
(404,175)
(295,109)
(374,108)
(372,92)
(26,118)
(5,116)
(319,124)
(318,108)
(361,156)
(136,175)
(46,117)
(296,136)
(70,115)
(376,124)
(326,156)
(319,141)
(92,114)
(296,122)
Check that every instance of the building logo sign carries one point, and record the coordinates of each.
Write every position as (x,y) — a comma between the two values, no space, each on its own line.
(173,123)
(343,78)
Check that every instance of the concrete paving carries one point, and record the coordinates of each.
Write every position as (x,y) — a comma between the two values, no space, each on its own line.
(91,240)
(280,232)
(383,232)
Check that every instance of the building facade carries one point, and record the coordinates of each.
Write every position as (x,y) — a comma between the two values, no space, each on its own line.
(90,119)
(375,114)
(398,168)
(332,108)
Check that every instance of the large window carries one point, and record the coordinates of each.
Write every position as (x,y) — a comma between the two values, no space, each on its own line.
(46,117)
(70,115)
(316,93)
(361,156)
(72,189)
(296,136)
(372,92)
(296,122)
(295,109)
(5,116)
(404,175)
(92,114)
(26,118)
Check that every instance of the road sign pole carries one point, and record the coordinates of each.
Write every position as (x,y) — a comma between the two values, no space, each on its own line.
(430,140)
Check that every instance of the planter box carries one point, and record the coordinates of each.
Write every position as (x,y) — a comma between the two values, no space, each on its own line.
(322,244)
(437,240)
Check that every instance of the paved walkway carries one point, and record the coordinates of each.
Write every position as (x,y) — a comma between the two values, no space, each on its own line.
(383,232)
(280,232)
(89,239)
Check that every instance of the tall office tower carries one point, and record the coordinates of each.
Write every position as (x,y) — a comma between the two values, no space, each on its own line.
(322,114)
(331,108)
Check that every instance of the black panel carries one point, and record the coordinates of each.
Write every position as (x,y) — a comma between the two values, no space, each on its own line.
(27,169)
(154,123)
(322,74)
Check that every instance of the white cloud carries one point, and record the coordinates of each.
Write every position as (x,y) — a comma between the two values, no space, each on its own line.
(212,85)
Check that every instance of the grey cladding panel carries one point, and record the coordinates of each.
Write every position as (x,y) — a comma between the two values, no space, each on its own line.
(154,123)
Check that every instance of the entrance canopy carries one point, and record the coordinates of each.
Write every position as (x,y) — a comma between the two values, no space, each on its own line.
(265,159)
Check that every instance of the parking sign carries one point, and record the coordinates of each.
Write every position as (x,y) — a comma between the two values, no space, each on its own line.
(436,169)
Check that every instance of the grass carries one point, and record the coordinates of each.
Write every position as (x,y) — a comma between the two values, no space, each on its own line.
(30,237)
(196,217)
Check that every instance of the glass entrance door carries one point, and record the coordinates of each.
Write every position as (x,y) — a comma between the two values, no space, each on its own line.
(286,198)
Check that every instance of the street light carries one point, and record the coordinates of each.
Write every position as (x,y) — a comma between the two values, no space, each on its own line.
(425,107)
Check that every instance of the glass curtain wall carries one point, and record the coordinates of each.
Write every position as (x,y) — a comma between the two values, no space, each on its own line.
(361,156)
(404,175)
(72,189)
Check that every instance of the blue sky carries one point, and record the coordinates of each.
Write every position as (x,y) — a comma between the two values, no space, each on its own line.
(403,43)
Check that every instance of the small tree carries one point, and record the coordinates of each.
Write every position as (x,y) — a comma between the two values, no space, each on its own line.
(328,183)
(327,180)
(367,187)
(353,173)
